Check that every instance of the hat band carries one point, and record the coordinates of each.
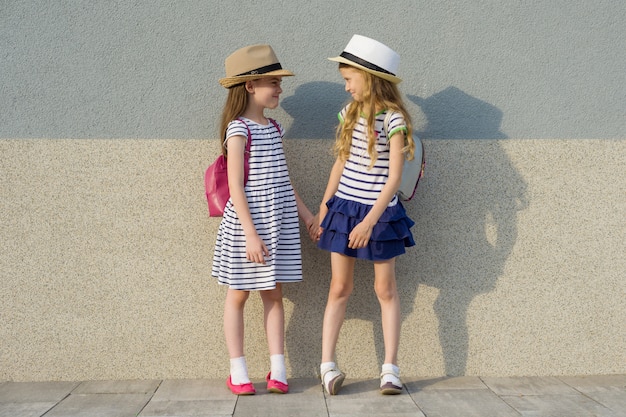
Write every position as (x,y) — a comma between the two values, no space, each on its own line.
(262,70)
(364,63)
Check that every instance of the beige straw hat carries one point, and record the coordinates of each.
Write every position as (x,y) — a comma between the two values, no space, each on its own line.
(251,63)
(371,56)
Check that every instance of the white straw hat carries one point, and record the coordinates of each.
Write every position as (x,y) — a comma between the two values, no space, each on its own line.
(371,56)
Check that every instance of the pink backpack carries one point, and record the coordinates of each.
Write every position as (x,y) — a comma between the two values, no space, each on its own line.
(216,178)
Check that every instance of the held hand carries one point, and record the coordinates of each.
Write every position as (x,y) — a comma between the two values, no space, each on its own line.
(313,228)
(256,251)
(320,218)
(359,236)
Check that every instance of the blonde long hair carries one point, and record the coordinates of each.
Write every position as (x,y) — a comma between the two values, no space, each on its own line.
(381,94)
(236,104)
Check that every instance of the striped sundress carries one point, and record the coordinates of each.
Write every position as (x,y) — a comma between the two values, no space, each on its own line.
(274,212)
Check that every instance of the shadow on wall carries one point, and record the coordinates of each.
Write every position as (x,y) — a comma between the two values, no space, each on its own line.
(314,107)
(452,114)
(466,224)
(466,214)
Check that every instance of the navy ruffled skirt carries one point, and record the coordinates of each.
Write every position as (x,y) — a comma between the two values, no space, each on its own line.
(390,236)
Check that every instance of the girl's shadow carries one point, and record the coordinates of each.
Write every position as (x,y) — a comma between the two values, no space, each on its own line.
(461,253)
(465,213)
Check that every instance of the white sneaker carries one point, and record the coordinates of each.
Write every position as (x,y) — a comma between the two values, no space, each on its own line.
(390,383)
(332,379)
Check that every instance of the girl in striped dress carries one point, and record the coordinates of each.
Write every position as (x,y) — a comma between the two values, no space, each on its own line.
(361,216)
(258,240)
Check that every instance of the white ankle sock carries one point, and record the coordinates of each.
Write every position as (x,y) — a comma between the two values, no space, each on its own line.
(327,366)
(394,379)
(239,371)
(279,371)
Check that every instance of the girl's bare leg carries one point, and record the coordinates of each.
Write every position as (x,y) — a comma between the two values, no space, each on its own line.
(341,285)
(234,332)
(274,319)
(233,321)
(387,293)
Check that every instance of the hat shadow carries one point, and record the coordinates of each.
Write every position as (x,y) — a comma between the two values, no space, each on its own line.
(453,114)
(314,107)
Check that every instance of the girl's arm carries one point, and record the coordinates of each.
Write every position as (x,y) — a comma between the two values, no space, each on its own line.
(256,251)
(307,217)
(331,187)
(360,235)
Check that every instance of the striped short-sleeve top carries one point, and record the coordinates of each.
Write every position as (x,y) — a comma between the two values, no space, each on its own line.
(274,212)
(358,181)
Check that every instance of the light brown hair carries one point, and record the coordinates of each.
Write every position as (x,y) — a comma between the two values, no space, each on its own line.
(236,104)
(378,94)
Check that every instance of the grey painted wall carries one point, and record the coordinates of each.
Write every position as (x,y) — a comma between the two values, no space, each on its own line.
(149,69)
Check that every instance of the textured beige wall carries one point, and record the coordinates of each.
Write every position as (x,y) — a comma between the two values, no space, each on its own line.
(106,252)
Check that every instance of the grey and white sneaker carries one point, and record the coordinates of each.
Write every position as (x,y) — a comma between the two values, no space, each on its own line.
(332,379)
(390,383)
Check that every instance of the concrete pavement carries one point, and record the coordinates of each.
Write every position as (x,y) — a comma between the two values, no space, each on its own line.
(435,397)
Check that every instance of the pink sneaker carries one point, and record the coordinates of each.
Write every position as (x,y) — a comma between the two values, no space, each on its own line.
(275,386)
(242,389)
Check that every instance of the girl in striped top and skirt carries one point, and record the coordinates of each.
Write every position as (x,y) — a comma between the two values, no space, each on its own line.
(361,216)
(258,240)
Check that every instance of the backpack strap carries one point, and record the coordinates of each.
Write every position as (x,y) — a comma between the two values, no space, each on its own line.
(249,141)
(247,148)
(386,124)
(275,123)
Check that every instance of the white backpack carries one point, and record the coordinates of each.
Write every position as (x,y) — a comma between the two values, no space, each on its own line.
(413,170)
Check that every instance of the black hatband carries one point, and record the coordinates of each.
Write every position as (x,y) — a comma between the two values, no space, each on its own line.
(364,63)
(262,70)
